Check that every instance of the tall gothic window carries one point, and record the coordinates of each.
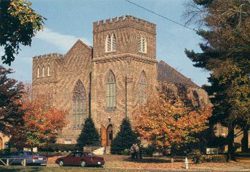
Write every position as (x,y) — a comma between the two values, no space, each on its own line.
(48,71)
(111,91)
(142,45)
(43,72)
(142,86)
(38,72)
(110,43)
(113,42)
(79,97)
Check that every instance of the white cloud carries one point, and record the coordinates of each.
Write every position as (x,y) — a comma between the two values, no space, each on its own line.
(62,41)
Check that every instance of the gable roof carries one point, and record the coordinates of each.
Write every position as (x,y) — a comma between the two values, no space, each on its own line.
(169,74)
(78,43)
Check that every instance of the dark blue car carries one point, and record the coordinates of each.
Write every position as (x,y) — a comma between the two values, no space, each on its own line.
(22,156)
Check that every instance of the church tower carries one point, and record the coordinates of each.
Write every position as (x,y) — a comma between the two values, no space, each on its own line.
(124,71)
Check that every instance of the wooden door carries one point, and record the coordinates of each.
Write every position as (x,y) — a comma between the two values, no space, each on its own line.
(103,136)
(1,143)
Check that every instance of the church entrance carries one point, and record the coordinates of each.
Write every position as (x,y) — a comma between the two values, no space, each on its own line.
(1,143)
(103,136)
(106,135)
(109,135)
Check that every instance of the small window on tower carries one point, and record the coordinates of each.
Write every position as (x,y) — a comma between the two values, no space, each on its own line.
(38,72)
(142,44)
(43,72)
(110,43)
(48,70)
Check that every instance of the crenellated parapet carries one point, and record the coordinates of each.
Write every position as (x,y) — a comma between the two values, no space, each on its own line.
(123,21)
(125,34)
(47,56)
(44,67)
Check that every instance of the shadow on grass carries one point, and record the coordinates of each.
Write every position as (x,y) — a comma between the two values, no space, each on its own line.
(153,160)
(20,169)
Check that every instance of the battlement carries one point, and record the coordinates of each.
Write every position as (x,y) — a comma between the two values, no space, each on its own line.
(127,19)
(50,55)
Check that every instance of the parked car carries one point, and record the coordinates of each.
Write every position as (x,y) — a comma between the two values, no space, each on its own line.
(30,157)
(81,158)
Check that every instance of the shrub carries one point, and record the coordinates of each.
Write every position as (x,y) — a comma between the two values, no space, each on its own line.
(148,151)
(89,135)
(214,158)
(54,147)
(124,139)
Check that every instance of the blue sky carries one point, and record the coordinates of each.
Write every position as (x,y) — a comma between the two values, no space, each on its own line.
(69,20)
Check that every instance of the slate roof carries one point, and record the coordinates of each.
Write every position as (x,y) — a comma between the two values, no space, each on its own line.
(169,74)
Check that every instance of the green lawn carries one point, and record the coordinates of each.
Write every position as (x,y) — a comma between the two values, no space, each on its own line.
(74,169)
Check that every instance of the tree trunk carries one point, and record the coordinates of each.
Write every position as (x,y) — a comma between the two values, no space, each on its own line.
(230,139)
(244,141)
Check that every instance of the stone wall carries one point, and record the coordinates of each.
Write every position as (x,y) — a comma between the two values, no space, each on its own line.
(85,64)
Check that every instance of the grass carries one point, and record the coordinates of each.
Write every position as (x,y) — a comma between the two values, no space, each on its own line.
(70,169)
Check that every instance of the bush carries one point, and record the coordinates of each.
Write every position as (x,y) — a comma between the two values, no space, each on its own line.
(214,158)
(197,157)
(124,139)
(54,147)
(125,152)
(148,151)
(89,135)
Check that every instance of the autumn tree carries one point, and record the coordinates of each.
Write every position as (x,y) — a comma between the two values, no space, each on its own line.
(19,23)
(11,112)
(169,123)
(225,53)
(42,124)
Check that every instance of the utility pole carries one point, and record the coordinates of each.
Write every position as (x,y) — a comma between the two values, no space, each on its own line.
(126,96)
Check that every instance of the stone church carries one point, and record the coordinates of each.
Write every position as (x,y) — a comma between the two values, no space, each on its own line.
(106,81)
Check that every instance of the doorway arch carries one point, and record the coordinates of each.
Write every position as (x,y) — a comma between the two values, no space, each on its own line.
(109,134)
(1,143)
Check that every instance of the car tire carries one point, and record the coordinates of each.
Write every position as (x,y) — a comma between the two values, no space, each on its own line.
(61,163)
(83,164)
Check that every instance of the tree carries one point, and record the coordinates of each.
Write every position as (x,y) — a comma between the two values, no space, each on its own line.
(19,23)
(124,138)
(11,112)
(42,124)
(169,123)
(225,53)
(89,135)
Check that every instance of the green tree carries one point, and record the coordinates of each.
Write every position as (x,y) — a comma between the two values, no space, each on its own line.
(124,138)
(225,53)
(11,112)
(89,135)
(19,23)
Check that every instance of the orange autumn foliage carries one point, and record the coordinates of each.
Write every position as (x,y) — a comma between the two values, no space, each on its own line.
(165,123)
(42,123)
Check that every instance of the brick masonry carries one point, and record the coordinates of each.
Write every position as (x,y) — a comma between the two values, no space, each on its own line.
(90,65)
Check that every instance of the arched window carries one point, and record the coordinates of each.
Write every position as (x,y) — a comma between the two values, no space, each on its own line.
(79,97)
(142,44)
(48,71)
(111,91)
(38,72)
(113,42)
(142,86)
(110,43)
(43,72)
